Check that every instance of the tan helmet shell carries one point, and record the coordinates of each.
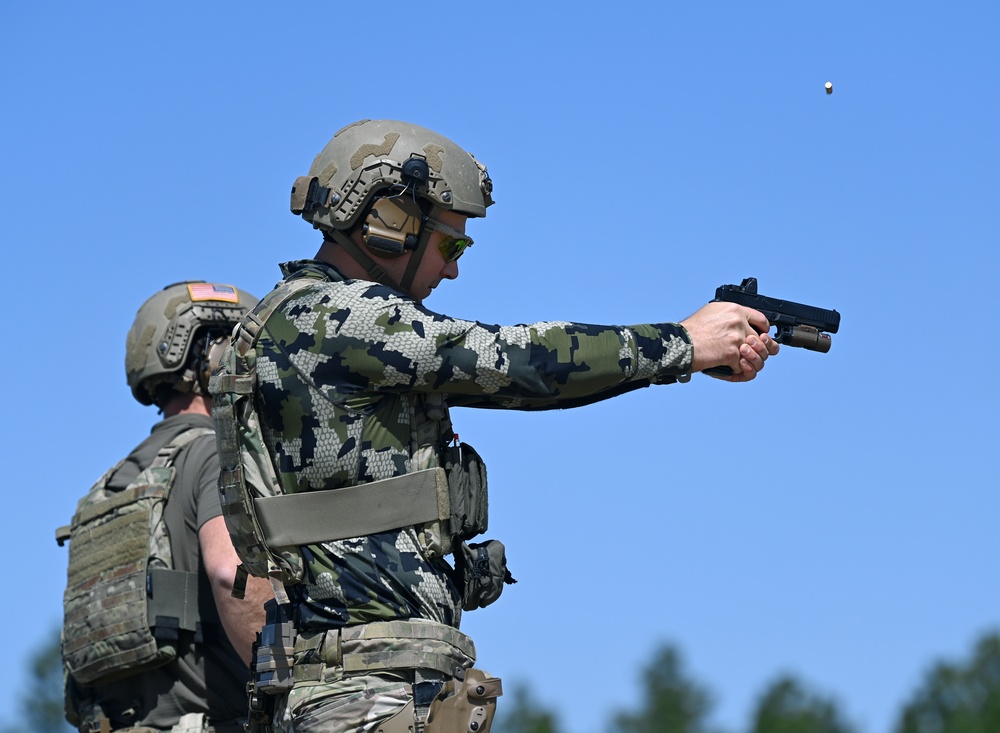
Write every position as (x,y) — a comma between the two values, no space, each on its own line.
(369,156)
(159,343)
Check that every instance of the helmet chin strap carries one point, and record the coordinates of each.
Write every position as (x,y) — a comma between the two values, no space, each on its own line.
(418,253)
(374,270)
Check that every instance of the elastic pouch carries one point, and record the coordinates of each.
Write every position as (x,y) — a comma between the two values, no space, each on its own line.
(467,491)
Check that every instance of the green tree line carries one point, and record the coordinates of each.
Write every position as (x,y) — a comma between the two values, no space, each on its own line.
(953,697)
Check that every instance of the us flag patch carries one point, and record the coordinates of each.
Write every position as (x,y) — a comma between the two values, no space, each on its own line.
(209,291)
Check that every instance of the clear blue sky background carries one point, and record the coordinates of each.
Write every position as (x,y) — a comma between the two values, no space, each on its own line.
(835,519)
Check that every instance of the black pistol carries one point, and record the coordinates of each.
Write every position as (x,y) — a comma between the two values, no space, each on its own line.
(803,326)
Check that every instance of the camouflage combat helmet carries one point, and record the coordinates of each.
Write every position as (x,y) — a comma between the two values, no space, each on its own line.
(393,180)
(370,156)
(161,344)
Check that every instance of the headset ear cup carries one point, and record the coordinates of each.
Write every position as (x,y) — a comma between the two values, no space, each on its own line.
(210,361)
(392,226)
(383,246)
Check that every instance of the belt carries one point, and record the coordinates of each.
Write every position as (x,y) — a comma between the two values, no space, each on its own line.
(381,646)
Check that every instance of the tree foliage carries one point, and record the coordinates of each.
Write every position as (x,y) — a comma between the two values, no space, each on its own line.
(520,713)
(787,707)
(672,702)
(958,698)
(41,705)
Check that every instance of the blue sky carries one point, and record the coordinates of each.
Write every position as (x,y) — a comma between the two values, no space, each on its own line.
(834,519)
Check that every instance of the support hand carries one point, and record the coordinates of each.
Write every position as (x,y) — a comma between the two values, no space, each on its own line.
(726,334)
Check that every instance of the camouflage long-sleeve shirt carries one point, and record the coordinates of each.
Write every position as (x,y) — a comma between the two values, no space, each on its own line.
(355,381)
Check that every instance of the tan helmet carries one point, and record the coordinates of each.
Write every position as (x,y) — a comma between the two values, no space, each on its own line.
(370,156)
(178,334)
(399,178)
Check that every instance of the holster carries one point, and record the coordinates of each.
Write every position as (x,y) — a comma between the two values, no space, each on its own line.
(465,705)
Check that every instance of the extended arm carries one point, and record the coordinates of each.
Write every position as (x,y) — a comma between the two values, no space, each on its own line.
(374,340)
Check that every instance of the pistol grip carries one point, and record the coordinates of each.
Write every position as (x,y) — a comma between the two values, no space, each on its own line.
(719,371)
(724,371)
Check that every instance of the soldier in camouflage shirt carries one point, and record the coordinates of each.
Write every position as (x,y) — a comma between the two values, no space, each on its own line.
(355,380)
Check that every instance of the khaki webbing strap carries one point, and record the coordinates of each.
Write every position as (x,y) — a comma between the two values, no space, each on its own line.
(123,497)
(390,631)
(248,331)
(238,384)
(168,453)
(289,520)
(427,646)
(387,645)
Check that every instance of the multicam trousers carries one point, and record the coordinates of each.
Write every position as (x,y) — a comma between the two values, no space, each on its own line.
(352,704)
(386,703)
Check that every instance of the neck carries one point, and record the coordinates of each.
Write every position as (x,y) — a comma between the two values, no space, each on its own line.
(346,265)
(353,262)
(188,404)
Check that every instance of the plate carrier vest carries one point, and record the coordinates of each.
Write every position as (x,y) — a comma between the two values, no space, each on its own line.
(447,504)
(124,604)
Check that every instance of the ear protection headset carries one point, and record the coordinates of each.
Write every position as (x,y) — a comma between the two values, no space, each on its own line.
(393,224)
(208,360)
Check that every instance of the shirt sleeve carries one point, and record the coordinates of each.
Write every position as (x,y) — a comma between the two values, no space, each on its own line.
(199,464)
(363,337)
